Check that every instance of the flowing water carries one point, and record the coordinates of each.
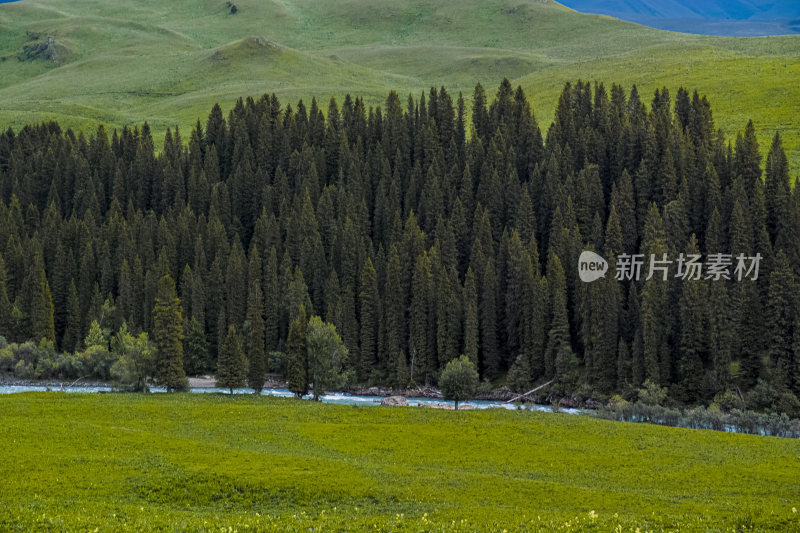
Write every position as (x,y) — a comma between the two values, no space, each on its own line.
(334,397)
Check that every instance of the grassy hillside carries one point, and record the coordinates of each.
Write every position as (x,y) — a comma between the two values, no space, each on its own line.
(87,61)
(206,462)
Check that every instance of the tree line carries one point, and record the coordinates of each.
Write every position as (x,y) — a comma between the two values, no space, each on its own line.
(421,230)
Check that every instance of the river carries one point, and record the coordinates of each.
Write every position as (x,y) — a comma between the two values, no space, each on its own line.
(334,397)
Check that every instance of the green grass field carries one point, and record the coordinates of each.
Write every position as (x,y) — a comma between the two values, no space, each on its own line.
(210,462)
(122,63)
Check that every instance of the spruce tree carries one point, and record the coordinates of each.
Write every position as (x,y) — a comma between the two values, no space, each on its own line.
(655,326)
(255,337)
(297,353)
(471,318)
(195,349)
(694,316)
(369,307)
(782,318)
(167,335)
(777,193)
(559,358)
(72,335)
(231,362)
(394,311)
(40,303)
(490,363)
(5,303)
(418,319)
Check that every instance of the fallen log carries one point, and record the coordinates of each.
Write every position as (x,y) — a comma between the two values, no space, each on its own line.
(515,398)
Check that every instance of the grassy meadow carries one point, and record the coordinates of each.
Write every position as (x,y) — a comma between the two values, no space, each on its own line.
(212,462)
(120,63)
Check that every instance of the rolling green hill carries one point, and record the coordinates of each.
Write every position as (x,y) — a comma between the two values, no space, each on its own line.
(203,462)
(86,61)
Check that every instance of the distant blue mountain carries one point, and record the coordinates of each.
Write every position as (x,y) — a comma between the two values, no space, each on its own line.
(709,17)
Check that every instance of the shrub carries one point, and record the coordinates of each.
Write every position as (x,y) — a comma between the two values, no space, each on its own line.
(7,360)
(97,361)
(69,366)
(485,387)
(23,370)
(26,352)
(788,404)
(617,403)
(652,394)
(728,401)
(136,363)
(762,397)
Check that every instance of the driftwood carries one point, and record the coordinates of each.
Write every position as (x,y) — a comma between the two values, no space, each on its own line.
(77,380)
(517,397)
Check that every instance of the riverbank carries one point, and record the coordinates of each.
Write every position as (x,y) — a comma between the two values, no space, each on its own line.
(10,381)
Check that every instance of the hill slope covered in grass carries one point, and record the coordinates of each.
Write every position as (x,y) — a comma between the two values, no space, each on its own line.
(206,462)
(84,62)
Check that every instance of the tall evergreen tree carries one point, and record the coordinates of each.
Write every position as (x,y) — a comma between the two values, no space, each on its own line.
(167,335)
(471,318)
(5,303)
(560,360)
(231,362)
(782,313)
(255,341)
(369,307)
(694,323)
(72,335)
(297,353)
(40,302)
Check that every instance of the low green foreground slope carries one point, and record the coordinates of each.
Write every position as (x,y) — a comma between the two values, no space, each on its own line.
(210,462)
(83,62)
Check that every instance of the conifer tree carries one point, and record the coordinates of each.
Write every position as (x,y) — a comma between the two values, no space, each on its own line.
(418,319)
(694,323)
(297,352)
(777,193)
(471,318)
(271,290)
(369,307)
(490,363)
(559,359)
(236,286)
(195,349)
(720,335)
(657,360)
(782,313)
(255,337)
(167,335)
(231,362)
(72,335)
(394,310)
(40,302)
(5,303)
